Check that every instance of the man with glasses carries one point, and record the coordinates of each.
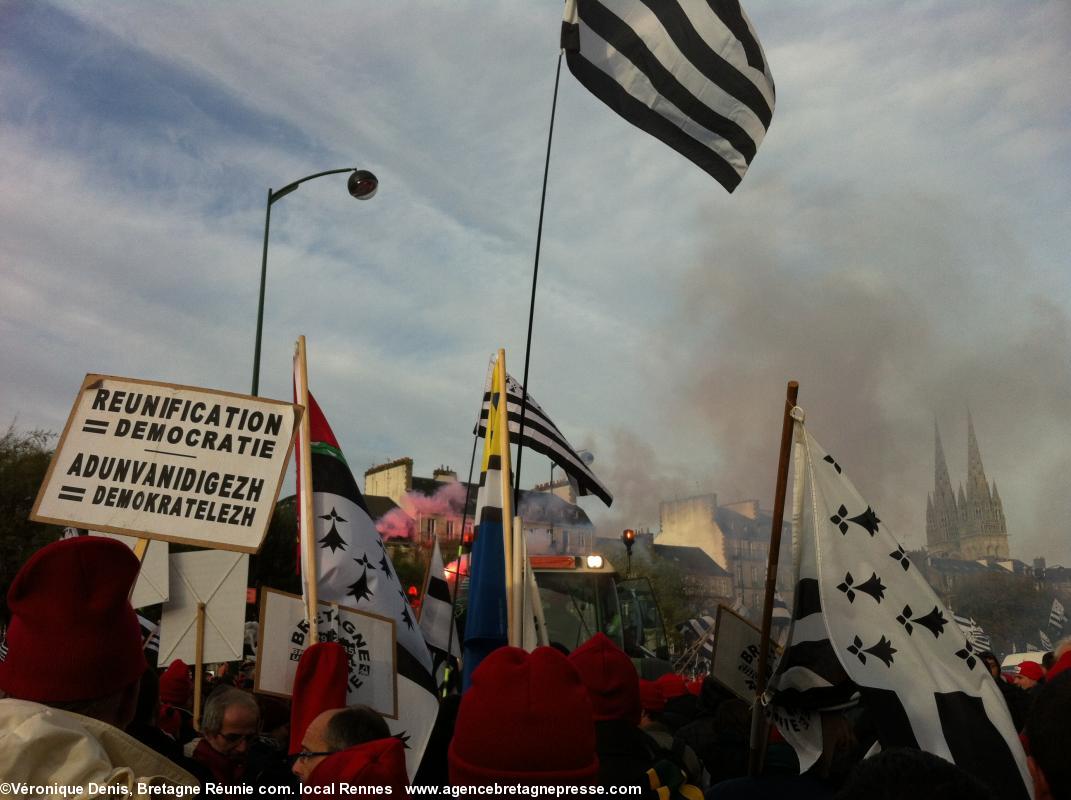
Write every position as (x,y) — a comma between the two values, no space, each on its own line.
(336,730)
(228,730)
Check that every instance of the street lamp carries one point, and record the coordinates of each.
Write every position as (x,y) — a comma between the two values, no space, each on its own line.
(362,185)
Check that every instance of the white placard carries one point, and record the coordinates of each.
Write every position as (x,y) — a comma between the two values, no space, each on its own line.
(177,463)
(735,662)
(153,584)
(369,639)
(217,579)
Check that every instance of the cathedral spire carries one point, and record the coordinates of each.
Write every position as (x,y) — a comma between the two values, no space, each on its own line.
(977,485)
(942,484)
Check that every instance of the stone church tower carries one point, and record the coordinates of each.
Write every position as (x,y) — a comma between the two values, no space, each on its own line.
(971,524)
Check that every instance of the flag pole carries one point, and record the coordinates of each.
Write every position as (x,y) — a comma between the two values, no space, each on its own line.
(461,540)
(502,433)
(199,667)
(305,490)
(535,276)
(757,748)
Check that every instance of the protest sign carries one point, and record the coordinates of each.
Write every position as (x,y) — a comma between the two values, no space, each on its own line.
(177,463)
(736,654)
(369,639)
(216,579)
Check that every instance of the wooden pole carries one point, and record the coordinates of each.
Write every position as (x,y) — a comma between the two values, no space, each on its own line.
(199,666)
(308,530)
(502,434)
(758,721)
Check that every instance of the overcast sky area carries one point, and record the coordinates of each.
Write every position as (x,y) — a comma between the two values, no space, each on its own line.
(899,246)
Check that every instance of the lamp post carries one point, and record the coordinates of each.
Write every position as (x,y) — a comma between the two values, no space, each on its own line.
(628,536)
(362,185)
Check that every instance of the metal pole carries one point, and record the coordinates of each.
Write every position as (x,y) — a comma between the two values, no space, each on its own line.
(260,305)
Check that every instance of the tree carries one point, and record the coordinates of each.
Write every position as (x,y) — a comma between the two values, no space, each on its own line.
(24,458)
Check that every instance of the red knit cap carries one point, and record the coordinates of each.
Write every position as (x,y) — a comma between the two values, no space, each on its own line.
(695,686)
(672,685)
(320,684)
(380,762)
(613,685)
(1032,670)
(525,719)
(176,684)
(651,697)
(73,635)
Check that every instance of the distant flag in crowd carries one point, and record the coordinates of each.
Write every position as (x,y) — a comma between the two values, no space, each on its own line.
(436,611)
(150,638)
(689,72)
(699,629)
(354,569)
(868,628)
(1046,642)
(543,436)
(978,638)
(487,614)
(1057,618)
(781,614)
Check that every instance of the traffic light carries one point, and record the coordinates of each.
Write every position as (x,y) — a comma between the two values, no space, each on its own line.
(628,536)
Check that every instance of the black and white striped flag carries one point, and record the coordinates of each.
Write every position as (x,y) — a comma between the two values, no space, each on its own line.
(543,436)
(436,609)
(1057,618)
(1046,642)
(978,638)
(689,72)
(867,625)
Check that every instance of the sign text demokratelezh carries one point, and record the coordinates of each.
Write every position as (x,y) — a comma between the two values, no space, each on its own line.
(169,462)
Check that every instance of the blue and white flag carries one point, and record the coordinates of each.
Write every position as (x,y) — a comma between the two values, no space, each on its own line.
(868,628)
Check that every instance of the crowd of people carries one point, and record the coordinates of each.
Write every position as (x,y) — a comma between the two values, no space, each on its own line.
(81,707)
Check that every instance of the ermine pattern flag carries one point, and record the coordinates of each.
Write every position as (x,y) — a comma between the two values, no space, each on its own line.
(689,72)
(781,615)
(436,611)
(697,628)
(355,570)
(1057,618)
(866,625)
(543,436)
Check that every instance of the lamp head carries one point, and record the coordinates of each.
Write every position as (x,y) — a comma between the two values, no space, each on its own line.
(362,184)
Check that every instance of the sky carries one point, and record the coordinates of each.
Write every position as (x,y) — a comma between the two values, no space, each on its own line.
(899,245)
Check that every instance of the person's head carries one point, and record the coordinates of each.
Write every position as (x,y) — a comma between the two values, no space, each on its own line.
(613,685)
(335,730)
(1048,660)
(230,722)
(1048,731)
(900,773)
(74,641)
(176,685)
(1029,674)
(526,718)
(991,663)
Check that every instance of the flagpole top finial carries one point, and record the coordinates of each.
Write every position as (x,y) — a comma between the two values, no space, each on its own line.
(797,414)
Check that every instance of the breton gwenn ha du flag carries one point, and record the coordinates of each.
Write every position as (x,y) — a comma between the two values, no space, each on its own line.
(868,628)
(354,569)
(543,436)
(436,611)
(689,72)
(1057,618)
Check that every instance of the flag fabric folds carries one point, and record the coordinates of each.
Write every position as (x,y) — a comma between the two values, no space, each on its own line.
(354,569)
(543,436)
(1046,642)
(487,614)
(867,627)
(689,72)
(436,610)
(1057,618)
